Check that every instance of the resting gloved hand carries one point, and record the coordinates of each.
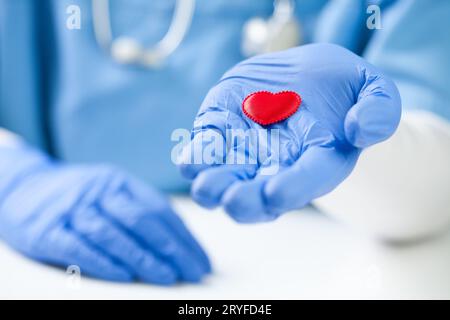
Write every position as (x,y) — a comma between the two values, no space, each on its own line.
(96,217)
(347,105)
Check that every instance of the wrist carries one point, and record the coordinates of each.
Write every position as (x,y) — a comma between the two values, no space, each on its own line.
(18,160)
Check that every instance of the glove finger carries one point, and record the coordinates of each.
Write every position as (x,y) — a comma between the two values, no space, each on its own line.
(241,163)
(150,230)
(137,191)
(179,229)
(109,238)
(206,149)
(244,201)
(157,236)
(63,247)
(210,185)
(318,171)
(219,111)
(376,115)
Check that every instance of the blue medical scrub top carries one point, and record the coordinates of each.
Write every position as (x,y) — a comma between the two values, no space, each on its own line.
(62,93)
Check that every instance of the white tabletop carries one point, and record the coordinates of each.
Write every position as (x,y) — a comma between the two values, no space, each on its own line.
(302,255)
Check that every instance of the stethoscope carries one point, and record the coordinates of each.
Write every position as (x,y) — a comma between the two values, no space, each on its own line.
(280,31)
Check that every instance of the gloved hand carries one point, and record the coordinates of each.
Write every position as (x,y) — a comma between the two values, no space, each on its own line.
(347,105)
(96,217)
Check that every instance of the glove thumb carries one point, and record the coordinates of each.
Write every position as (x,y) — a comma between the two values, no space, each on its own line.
(376,115)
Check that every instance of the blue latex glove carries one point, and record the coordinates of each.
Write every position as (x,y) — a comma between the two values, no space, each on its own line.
(347,105)
(96,217)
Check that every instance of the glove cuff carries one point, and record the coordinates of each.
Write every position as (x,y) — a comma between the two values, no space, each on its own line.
(16,162)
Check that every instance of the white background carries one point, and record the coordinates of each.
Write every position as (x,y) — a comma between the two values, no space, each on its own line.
(302,255)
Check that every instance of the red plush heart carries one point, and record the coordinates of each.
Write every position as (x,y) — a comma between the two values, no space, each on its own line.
(267,108)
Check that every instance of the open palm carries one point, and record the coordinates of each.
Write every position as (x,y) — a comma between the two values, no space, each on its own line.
(347,105)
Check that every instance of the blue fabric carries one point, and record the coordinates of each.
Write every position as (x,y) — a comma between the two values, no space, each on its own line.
(413,46)
(128,114)
(20,81)
(62,93)
(67,93)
